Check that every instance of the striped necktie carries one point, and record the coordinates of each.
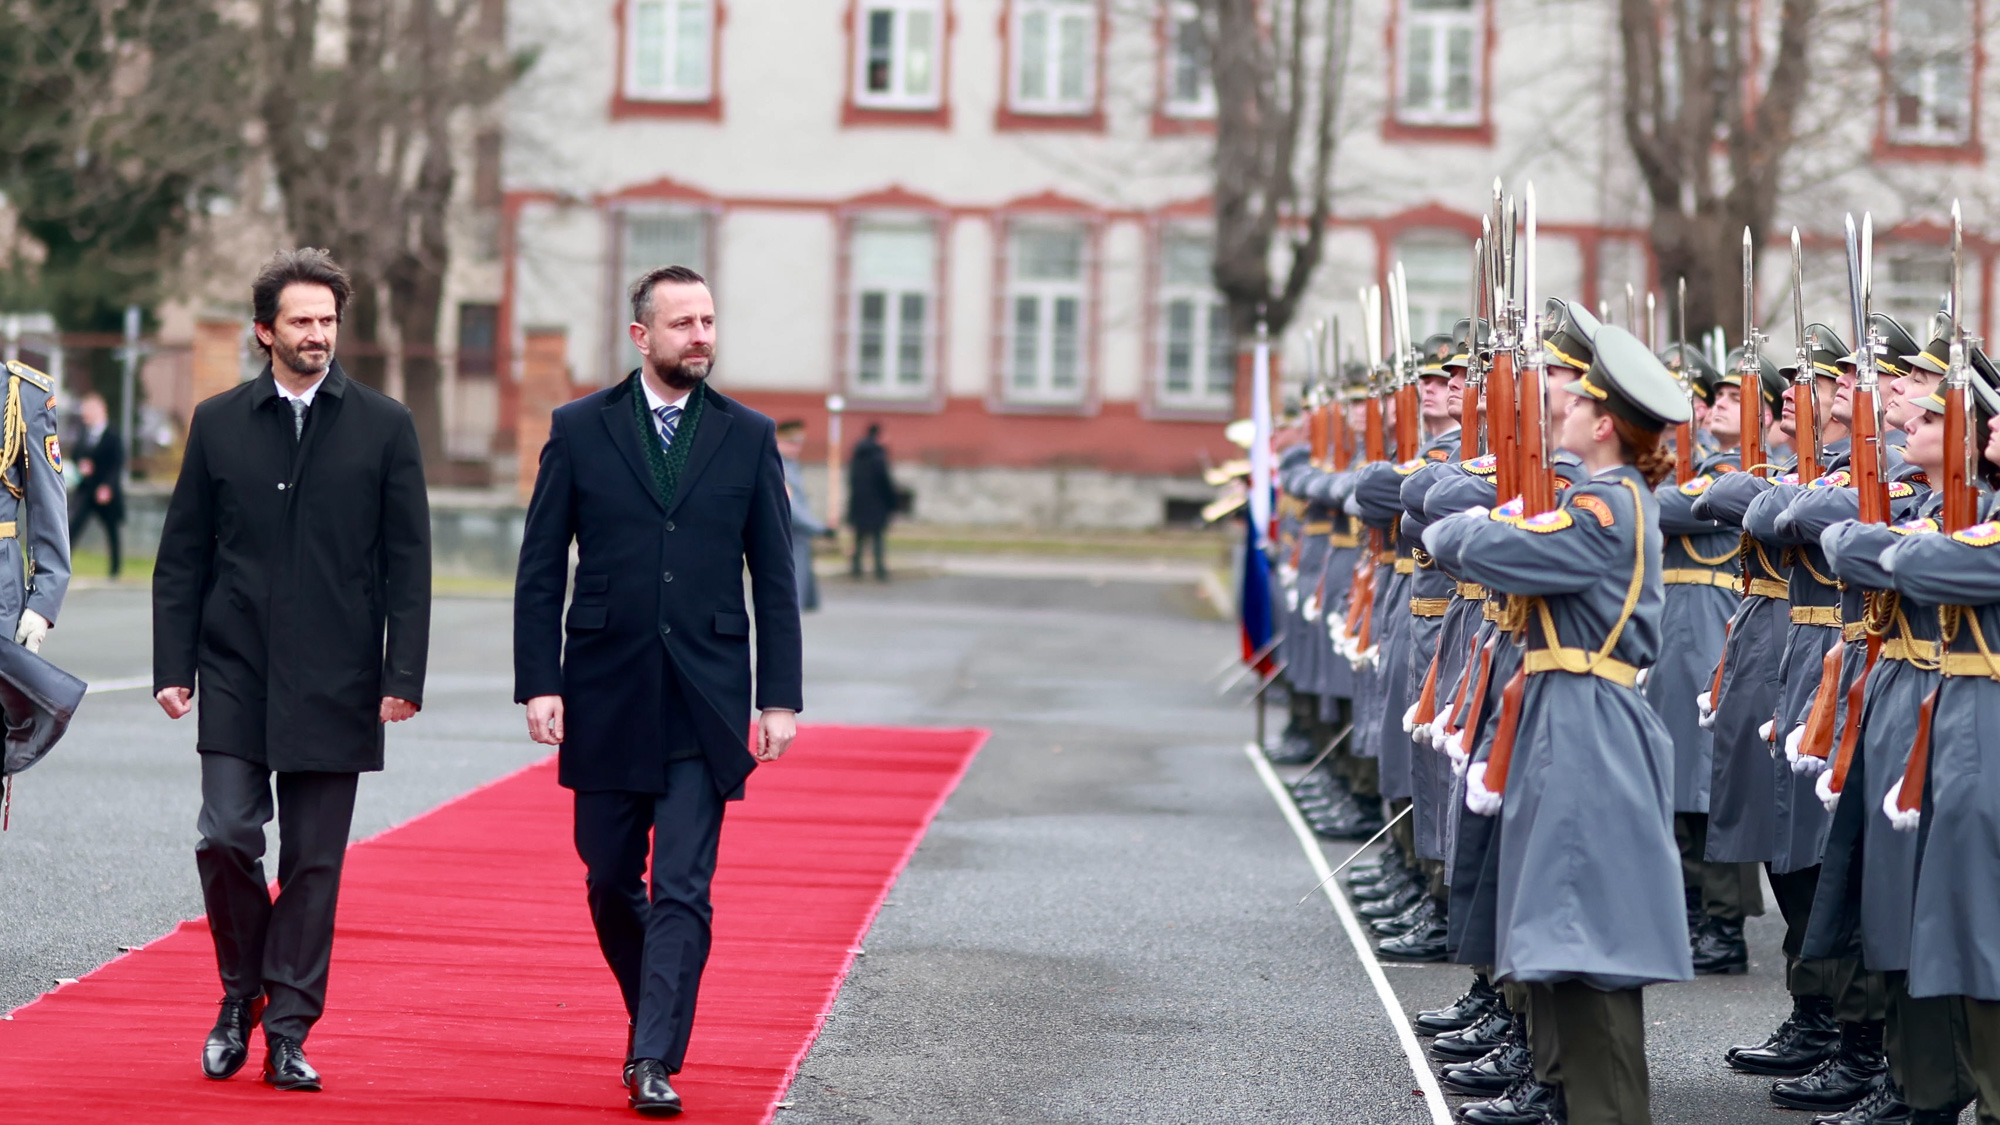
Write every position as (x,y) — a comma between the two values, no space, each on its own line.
(670,420)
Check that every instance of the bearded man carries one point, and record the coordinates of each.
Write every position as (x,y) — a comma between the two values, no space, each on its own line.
(669,492)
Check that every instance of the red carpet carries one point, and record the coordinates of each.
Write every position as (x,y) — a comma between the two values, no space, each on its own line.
(467,985)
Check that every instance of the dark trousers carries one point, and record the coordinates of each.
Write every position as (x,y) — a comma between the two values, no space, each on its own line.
(862,540)
(1593,1044)
(1729,891)
(1827,977)
(82,516)
(1923,1038)
(1979,1052)
(657,946)
(281,948)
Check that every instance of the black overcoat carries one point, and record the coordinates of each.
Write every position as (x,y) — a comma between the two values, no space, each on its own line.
(871,490)
(657,580)
(293,585)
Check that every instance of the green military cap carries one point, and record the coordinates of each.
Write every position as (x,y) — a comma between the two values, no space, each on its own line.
(1826,348)
(1354,381)
(1774,384)
(1694,366)
(1567,331)
(1935,357)
(1463,341)
(1436,349)
(1631,381)
(1985,384)
(1896,343)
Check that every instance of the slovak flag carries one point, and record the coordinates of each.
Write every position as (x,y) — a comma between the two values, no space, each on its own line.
(1254,609)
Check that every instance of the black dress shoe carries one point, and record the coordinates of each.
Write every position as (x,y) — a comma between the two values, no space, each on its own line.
(1294,747)
(1855,1071)
(1526,1102)
(1425,944)
(1461,1013)
(1807,1038)
(1364,823)
(285,1064)
(649,1092)
(1494,1072)
(1373,870)
(228,1045)
(1883,1107)
(1397,901)
(1388,886)
(1476,1041)
(1417,915)
(1720,949)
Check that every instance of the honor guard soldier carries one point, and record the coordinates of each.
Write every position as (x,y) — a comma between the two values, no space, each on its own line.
(1588,912)
(34,507)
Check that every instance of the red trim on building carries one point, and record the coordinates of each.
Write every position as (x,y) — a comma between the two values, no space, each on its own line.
(1007,119)
(855,115)
(664,189)
(1394,129)
(1887,150)
(710,109)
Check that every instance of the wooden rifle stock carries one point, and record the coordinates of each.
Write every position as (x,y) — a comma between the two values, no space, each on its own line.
(1961,492)
(1538,481)
(1409,409)
(1750,397)
(1371,439)
(1337,436)
(1805,430)
(1316,435)
(1501,421)
(1874,495)
(1684,453)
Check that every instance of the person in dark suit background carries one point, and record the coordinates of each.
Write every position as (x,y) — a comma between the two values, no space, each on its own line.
(293,591)
(669,491)
(100,461)
(871,498)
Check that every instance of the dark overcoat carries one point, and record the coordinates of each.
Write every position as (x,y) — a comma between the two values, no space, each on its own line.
(293,585)
(658,580)
(871,490)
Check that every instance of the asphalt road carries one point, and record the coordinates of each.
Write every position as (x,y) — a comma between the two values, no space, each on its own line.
(1100,926)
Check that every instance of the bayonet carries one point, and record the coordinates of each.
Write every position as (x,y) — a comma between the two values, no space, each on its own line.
(1805,398)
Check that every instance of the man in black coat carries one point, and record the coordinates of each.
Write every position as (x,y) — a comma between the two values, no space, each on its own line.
(100,461)
(668,491)
(292,590)
(871,498)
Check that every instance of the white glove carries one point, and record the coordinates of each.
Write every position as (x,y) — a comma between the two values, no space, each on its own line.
(1824,787)
(1645,674)
(1291,598)
(1454,748)
(1764,732)
(1440,739)
(1336,627)
(1478,798)
(1792,742)
(1705,716)
(1898,819)
(1410,719)
(32,631)
(1311,612)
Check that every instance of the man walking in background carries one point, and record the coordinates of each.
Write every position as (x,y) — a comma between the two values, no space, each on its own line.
(293,591)
(668,491)
(100,461)
(805,526)
(871,498)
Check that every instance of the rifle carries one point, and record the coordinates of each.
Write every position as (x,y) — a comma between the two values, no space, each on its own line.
(1684,433)
(1805,400)
(1361,594)
(1409,431)
(1338,437)
(1867,426)
(1961,446)
(1538,482)
(1472,423)
(1500,383)
(1315,396)
(1751,369)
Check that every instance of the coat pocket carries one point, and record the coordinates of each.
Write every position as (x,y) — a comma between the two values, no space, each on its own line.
(732,624)
(593,583)
(584,617)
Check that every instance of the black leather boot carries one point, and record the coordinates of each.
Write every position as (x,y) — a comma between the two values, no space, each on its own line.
(1475,1041)
(1526,1102)
(1419,914)
(1294,747)
(1885,1106)
(1855,1071)
(1384,887)
(1365,821)
(1395,902)
(1423,943)
(1496,1071)
(1807,1038)
(1463,1012)
(1720,949)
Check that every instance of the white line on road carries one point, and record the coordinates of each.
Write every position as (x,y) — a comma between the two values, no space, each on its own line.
(123,683)
(1419,1065)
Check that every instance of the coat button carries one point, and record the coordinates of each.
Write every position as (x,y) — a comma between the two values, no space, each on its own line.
(667,577)
(281,486)
(670,525)
(665,629)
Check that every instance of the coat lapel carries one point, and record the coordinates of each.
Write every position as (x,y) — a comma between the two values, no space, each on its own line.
(617,415)
(708,436)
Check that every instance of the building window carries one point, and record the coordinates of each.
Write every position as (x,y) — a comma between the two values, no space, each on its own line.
(1438,269)
(897,54)
(669,48)
(1441,55)
(1197,354)
(648,239)
(1189,80)
(1930,71)
(892,276)
(1917,281)
(1055,56)
(1047,345)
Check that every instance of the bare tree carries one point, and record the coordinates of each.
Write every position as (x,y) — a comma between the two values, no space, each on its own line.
(1277,107)
(363,152)
(1710,129)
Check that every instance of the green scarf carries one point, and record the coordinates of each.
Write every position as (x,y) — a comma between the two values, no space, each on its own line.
(666,463)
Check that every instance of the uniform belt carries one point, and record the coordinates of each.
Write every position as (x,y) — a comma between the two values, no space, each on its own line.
(1768,588)
(1406,566)
(1910,651)
(1971,664)
(1852,631)
(1576,660)
(1472,591)
(1815,615)
(1324,527)
(9,529)
(1429,607)
(1384,558)
(1698,576)
(1490,610)
(1348,539)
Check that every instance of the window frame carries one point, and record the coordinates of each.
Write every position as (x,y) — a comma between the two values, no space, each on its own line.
(1161,294)
(621,274)
(1892,145)
(931,394)
(1170,114)
(1476,126)
(1082,115)
(626,102)
(861,107)
(1088,229)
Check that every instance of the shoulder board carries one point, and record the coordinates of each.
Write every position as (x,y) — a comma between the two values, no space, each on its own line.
(1555,520)
(23,371)
(1979,534)
(1901,490)
(1915,527)
(1405,468)
(1482,466)
(1839,478)
(1697,485)
(1595,505)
